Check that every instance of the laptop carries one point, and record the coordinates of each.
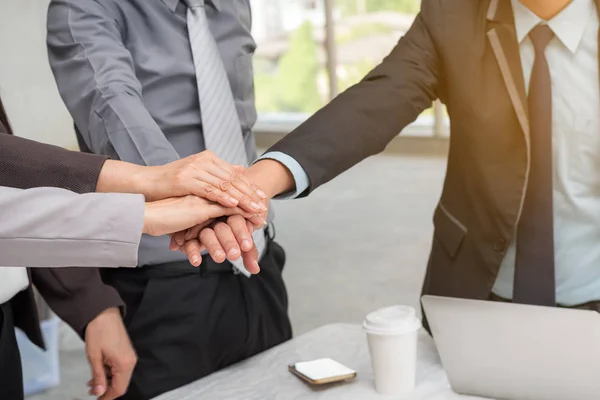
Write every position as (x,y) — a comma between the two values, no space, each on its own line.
(510,351)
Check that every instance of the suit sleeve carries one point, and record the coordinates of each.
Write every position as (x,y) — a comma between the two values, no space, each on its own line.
(361,121)
(45,227)
(96,78)
(26,164)
(50,227)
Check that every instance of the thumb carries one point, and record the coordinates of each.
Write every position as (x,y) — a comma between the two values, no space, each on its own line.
(98,383)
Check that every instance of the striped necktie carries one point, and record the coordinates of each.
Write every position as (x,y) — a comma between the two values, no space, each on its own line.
(220,121)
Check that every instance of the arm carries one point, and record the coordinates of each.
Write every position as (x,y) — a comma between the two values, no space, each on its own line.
(361,121)
(47,227)
(26,164)
(96,79)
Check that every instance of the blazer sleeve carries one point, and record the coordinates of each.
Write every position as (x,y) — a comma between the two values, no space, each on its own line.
(50,227)
(361,121)
(27,164)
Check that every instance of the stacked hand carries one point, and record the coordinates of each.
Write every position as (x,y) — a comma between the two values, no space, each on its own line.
(231,237)
(204,203)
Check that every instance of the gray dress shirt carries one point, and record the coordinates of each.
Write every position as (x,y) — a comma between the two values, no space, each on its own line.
(125,72)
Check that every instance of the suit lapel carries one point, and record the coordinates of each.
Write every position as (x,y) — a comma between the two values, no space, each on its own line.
(503,40)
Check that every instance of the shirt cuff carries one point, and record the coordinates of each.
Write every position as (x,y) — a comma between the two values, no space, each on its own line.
(300,176)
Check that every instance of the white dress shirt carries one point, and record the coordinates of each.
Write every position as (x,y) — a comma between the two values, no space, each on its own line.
(573,60)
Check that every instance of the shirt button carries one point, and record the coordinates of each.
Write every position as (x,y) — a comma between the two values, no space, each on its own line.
(500,245)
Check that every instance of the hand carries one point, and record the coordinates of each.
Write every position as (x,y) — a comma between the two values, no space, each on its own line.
(206,176)
(219,239)
(176,214)
(202,174)
(110,355)
(229,238)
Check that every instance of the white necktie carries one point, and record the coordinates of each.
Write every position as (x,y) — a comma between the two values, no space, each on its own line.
(220,121)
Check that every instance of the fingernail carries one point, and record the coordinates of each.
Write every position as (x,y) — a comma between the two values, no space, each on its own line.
(218,254)
(246,244)
(234,201)
(179,241)
(257,267)
(263,207)
(195,260)
(99,390)
(233,253)
(261,193)
(256,206)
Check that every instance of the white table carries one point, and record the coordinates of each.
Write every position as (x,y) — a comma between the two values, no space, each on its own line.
(266,377)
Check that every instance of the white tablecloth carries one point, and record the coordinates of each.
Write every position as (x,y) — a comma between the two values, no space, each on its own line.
(266,376)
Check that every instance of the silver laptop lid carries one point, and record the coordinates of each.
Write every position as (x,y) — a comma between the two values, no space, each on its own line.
(516,352)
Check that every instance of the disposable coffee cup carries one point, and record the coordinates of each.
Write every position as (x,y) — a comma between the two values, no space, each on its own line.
(392,336)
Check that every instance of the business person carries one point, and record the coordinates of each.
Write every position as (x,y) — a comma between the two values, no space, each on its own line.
(518,219)
(149,82)
(78,295)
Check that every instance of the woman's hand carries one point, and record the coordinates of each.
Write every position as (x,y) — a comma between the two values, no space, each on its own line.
(172,215)
(203,175)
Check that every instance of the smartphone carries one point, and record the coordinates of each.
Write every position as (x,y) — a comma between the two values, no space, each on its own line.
(322,371)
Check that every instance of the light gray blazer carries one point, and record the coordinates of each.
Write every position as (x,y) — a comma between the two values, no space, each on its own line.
(50,227)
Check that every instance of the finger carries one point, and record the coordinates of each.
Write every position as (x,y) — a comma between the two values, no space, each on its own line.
(179,237)
(258,221)
(243,235)
(173,245)
(226,172)
(217,211)
(208,239)
(251,260)
(194,232)
(224,179)
(193,250)
(206,186)
(227,239)
(98,381)
(118,386)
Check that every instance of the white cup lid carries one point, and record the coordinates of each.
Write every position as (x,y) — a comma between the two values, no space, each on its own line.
(392,320)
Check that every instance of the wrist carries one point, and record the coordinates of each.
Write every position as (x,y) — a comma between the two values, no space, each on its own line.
(272,177)
(122,177)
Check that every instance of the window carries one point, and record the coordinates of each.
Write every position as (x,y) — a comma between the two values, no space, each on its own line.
(291,62)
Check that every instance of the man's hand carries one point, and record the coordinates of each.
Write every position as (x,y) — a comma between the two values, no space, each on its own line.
(229,238)
(110,355)
(202,174)
(226,239)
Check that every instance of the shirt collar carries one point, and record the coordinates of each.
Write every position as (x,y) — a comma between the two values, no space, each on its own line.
(568,26)
(172,4)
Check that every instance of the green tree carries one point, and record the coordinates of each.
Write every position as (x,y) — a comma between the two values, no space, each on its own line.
(352,7)
(296,79)
(293,86)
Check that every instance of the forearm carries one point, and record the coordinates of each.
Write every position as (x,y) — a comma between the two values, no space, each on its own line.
(123,177)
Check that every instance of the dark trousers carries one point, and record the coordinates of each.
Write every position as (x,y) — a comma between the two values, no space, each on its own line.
(11,377)
(185,324)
